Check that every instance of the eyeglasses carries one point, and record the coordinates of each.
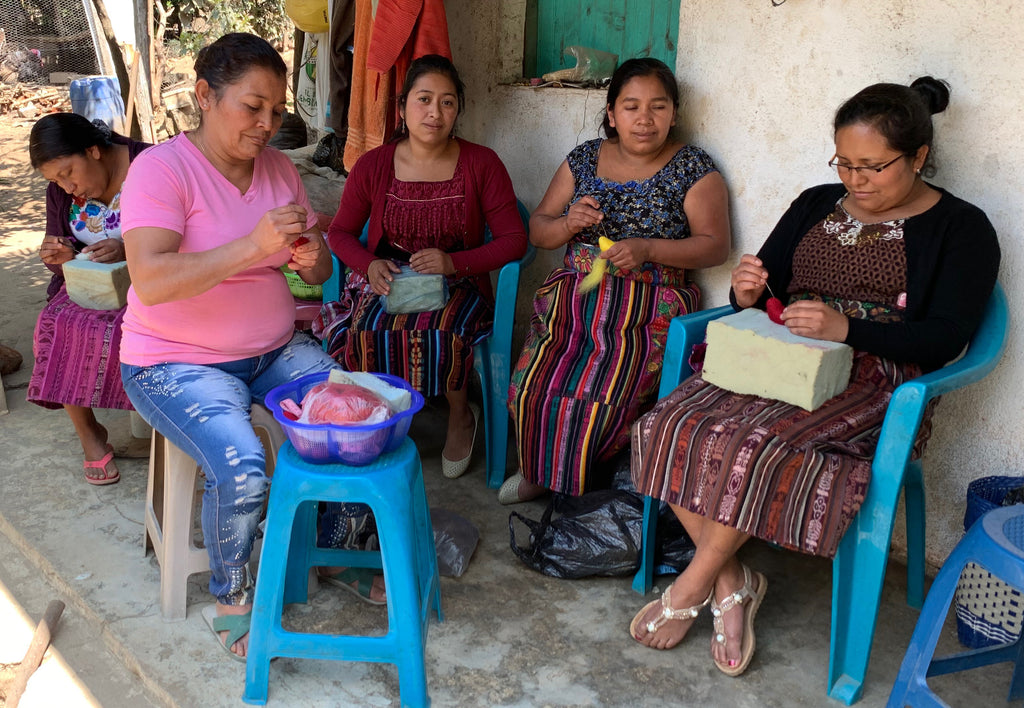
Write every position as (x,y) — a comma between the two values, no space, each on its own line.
(834,162)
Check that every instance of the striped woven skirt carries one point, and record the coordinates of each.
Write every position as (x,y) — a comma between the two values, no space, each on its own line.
(77,357)
(433,351)
(764,467)
(590,365)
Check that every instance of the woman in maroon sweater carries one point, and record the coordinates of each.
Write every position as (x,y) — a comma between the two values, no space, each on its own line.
(425,199)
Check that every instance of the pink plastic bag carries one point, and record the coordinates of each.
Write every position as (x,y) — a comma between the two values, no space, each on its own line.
(343,404)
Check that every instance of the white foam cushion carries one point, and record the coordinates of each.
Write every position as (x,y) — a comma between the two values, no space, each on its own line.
(97,286)
(748,353)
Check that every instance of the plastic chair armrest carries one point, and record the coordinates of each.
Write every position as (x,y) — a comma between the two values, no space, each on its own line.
(684,332)
(332,286)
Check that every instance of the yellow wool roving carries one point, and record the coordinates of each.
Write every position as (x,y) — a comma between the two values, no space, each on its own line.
(597,268)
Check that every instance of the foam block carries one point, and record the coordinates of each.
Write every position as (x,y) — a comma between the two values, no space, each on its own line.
(97,286)
(748,353)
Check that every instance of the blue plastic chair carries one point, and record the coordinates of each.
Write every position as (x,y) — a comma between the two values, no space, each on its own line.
(393,487)
(493,356)
(859,565)
(996,542)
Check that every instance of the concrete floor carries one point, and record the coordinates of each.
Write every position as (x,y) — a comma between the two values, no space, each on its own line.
(511,636)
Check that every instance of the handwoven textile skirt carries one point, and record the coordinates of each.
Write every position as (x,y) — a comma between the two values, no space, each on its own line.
(433,351)
(768,468)
(590,365)
(77,357)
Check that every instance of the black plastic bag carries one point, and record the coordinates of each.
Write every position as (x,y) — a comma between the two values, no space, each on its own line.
(597,533)
(330,152)
(292,133)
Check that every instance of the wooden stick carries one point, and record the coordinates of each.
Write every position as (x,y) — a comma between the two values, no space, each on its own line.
(133,85)
(34,655)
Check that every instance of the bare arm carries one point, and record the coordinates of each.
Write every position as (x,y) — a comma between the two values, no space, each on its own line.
(161,274)
(548,228)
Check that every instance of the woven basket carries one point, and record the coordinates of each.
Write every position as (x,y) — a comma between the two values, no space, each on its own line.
(988,611)
(300,288)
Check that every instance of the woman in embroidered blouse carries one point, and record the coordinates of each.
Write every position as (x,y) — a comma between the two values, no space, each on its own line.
(898,269)
(591,361)
(75,348)
(424,199)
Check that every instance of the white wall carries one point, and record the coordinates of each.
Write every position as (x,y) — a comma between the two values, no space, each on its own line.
(760,85)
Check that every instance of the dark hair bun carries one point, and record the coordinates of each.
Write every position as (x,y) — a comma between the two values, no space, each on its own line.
(935,93)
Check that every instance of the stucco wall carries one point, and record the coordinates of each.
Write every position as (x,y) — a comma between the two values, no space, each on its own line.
(760,85)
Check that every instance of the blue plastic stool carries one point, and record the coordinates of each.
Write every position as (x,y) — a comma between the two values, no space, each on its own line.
(996,542)
(393,487)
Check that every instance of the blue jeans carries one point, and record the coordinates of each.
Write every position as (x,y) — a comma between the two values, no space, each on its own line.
(204,410)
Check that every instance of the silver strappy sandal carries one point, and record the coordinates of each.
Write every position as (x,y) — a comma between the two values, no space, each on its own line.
(751,601)
(667,612)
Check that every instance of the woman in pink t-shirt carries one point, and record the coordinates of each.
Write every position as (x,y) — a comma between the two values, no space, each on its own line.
(209,218)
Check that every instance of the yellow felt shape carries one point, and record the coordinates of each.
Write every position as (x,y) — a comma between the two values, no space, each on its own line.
(597,268)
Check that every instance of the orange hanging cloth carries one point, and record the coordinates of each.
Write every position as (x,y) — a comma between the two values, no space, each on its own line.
(368,106)
(401,31)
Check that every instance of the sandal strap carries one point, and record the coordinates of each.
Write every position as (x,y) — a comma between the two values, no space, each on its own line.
(99,464)
(237,626)
(734,599)
(670,613)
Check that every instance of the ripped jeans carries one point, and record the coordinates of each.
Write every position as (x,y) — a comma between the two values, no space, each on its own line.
(204,410)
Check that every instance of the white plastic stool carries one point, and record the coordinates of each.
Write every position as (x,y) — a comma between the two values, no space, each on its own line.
(170,511)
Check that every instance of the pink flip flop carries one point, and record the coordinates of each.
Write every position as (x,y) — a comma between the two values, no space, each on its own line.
(106,465)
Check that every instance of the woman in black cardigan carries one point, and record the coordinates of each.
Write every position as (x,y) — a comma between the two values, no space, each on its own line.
(896,268)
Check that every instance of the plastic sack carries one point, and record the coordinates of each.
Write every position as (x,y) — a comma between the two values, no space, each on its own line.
(597,533)
(308,15)
(455,539)
(415,292)
(592,66)
(342,404)
(312,95)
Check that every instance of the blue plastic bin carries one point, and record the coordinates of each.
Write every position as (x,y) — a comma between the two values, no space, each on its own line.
(99,97)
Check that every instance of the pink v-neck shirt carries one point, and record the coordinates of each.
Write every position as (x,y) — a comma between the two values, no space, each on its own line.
(173,186)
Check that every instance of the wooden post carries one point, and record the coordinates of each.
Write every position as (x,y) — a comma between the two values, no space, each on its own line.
(133,85)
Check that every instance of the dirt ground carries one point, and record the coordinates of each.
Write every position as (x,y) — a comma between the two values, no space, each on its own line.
(22,202)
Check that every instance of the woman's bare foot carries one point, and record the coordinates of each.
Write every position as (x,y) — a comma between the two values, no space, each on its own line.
(653,628)
(91,433)
(727,641)
(240,647)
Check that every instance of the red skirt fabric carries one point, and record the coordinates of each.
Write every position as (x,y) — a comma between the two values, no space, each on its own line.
(77,358)
(764,467)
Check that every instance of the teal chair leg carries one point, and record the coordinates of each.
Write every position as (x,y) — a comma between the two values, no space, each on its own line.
(913,493)
(493,361)
(644,578)
(857,574)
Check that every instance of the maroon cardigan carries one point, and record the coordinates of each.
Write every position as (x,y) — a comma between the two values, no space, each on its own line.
(58,211)
(490,201)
